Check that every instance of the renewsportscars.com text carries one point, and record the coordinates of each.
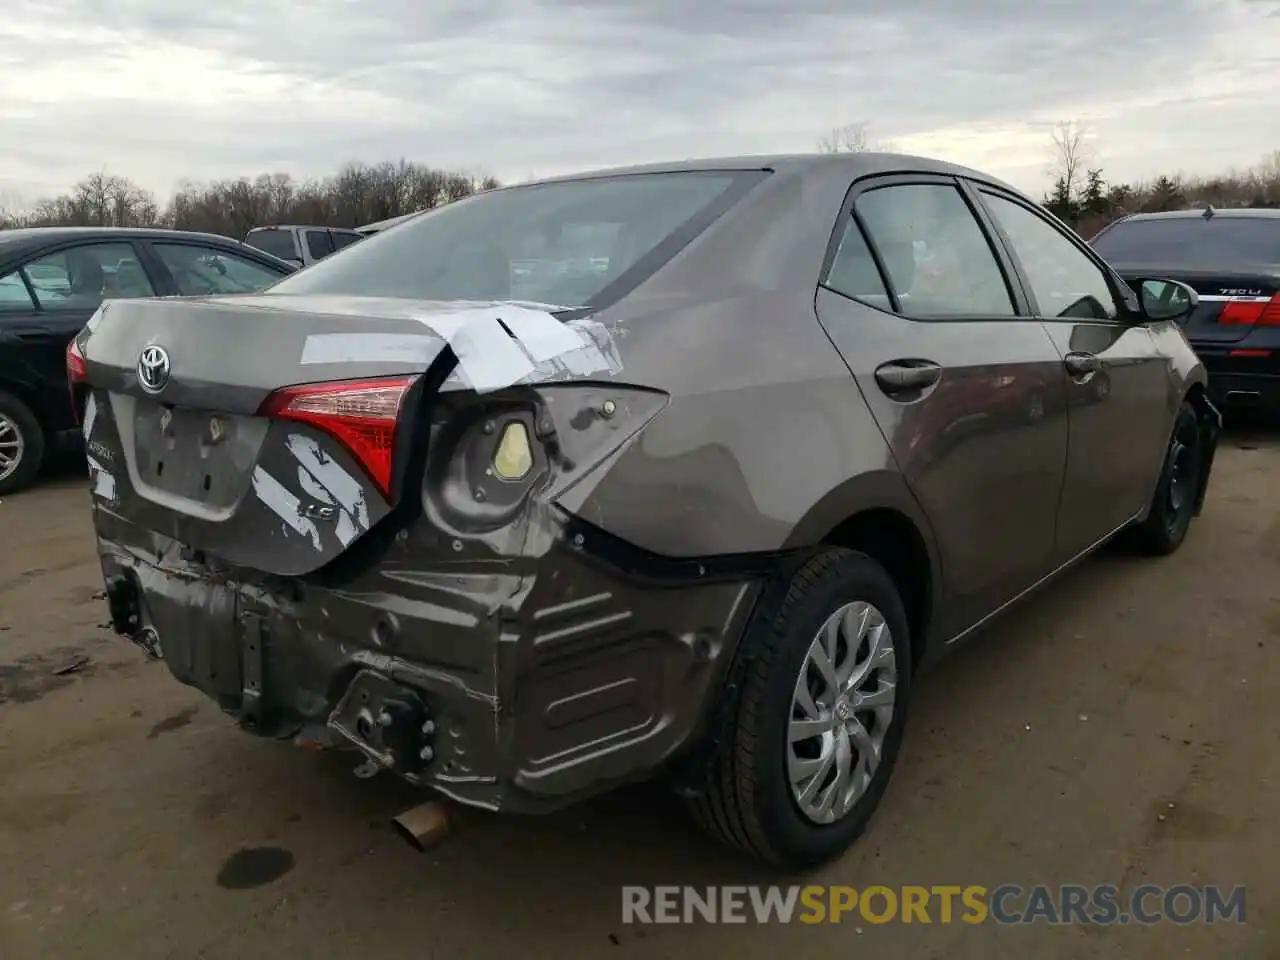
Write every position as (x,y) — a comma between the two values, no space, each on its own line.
(1006,904)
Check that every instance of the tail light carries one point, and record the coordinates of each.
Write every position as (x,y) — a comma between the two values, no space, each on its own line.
(75,364)
(1250,313)
(361,414)
(77,378)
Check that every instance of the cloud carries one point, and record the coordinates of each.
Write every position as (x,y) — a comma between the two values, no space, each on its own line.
(160,91)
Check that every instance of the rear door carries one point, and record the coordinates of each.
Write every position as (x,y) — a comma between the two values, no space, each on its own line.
(68,284)
(1121,406)
(965,384)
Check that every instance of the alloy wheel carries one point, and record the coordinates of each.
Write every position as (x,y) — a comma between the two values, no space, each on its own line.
(841,710)
(12,446)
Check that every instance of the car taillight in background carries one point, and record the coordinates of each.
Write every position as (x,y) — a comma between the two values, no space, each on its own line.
(1252,313)
(77,378)
(361,414)
(75,363)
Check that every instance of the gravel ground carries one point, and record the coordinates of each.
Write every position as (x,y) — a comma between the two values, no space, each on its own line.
(1117,728)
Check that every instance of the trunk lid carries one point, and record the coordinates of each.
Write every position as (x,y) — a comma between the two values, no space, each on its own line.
(1230,299)
(180,443)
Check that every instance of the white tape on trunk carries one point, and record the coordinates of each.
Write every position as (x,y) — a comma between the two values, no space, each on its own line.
(369,348)
(541,334)
(487,356)
(489,359)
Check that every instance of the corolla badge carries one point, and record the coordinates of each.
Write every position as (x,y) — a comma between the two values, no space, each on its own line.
(153,369)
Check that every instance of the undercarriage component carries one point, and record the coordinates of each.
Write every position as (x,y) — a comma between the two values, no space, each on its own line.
(423,826)
(388,722)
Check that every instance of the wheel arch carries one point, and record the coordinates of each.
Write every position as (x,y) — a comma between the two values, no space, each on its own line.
(876,514)
(1210,419)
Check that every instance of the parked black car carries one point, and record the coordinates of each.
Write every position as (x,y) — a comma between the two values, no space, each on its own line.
(1232,260)
(52,279)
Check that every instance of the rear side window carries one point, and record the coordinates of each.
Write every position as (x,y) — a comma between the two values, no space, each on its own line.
(278,243)
(559,244)
(341,240)
(937,257)
(854,272)
(1192,241)
(205,271)
(318,243)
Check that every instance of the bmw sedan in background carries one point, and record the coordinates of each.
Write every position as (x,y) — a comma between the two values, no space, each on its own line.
(1231,258)
(700,512)
(52,279)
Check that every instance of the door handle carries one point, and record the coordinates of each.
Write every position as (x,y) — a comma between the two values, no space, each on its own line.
(907,376)
(1081,364)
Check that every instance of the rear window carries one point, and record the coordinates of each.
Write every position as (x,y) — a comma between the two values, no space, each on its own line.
(1192,240)
(278,243)
(558,244)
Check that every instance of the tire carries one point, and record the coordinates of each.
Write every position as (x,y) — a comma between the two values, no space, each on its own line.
(749,803)
(1173,505)
(18,424)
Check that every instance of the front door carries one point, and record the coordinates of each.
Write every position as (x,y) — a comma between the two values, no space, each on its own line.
(1117,381)
(68,285)
(966,386)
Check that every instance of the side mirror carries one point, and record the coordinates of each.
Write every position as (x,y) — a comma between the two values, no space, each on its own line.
(1166,299)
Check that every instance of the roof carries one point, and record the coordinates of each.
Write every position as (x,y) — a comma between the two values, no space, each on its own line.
(858,164)
(20,242)
(1228,213)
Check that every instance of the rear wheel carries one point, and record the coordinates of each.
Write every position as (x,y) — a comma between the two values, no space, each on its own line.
(1173,505)
(21,445)
(817,716)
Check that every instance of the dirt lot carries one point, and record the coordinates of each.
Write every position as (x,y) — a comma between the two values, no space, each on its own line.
(1120,728)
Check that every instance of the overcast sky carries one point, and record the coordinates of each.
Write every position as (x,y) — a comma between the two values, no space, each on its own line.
(161,90)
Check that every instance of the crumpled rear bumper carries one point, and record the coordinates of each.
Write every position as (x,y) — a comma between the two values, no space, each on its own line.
(519,685)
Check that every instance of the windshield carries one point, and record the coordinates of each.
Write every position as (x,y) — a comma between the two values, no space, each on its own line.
(559,244)
(1192,241)
(278,243)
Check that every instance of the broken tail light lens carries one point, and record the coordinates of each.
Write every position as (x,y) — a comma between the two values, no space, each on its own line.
(360,414)
(1249,313)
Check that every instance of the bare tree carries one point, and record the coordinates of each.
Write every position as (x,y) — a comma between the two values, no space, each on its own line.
(1071,154)
(850,138)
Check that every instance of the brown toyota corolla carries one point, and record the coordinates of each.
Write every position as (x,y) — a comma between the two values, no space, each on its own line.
(678,469)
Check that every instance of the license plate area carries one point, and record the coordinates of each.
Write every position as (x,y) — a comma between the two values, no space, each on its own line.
(198,456)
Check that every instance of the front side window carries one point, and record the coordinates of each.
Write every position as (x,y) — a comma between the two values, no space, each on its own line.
(938,259)
(207,271)
(554,243)
(80,278)
(1064,281)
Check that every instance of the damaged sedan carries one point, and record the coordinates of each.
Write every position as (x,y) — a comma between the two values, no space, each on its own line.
(678,471)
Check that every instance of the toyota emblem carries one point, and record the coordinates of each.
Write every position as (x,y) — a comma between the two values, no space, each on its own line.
(153,369)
